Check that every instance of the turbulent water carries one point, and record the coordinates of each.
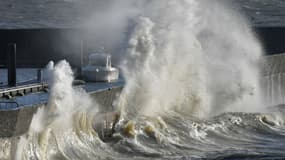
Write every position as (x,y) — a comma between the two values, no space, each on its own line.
(174,136)
(192,71)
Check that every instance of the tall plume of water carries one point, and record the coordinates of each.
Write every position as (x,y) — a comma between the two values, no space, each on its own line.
(197,57)
(68,106)
(63,95)
(233,58)
(65,100)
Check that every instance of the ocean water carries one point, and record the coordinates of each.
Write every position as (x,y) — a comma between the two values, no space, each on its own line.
(75,13)
(174,136)
(193,72)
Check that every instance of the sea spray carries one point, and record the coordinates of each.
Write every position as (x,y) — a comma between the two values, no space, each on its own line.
(233,55)
(46,137)
(159,79)
(196,57)
(64,99)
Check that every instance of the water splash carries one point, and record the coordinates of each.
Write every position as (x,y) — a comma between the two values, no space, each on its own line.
(197,57)
(60,119)
(5,145)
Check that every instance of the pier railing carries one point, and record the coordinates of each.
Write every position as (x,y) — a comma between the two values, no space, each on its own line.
(21,90)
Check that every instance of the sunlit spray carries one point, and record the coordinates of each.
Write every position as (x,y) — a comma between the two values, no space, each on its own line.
(55,119)
(197,57)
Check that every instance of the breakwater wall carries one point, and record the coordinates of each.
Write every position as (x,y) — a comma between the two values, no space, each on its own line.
(273,80)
